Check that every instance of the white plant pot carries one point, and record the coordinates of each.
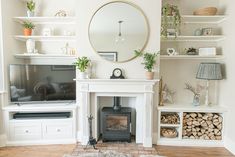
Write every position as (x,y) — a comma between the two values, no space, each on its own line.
(82,75)
(30,13)
(30,45)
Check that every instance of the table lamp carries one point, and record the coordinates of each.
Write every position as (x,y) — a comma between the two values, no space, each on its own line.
(209,71)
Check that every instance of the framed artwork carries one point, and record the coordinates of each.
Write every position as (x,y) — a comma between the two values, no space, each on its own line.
(110,56)
(62,67)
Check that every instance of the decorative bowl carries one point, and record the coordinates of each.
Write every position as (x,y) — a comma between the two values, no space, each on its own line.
(205,11)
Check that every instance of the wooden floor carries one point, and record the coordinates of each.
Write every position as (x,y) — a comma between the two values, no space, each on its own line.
(60,150)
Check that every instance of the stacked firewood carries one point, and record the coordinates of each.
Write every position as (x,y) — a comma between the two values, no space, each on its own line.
(170,118)
(206,126)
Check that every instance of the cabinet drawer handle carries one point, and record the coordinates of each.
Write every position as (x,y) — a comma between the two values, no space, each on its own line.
(27,131)
(58,130)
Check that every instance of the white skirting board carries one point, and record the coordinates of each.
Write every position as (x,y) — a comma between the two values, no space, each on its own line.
(3,139)
(40,142)
(230,145)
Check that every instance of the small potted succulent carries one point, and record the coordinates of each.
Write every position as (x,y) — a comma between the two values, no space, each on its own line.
(28,27)
(171,19)
(82,64)
(149,62)
(30,8)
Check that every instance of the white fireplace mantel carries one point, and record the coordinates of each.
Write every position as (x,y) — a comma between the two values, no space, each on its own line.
(142,89)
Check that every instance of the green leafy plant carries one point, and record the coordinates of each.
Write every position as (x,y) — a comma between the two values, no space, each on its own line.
(82,63)
(28,25)
(149,59)
(171,18)
(31,5)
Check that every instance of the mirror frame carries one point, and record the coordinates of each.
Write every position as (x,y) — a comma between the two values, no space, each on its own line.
(133,5)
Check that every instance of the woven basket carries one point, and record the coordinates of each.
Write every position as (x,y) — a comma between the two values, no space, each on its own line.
(205,11)
(169,132)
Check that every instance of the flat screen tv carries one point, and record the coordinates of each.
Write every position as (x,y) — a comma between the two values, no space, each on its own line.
(36,83)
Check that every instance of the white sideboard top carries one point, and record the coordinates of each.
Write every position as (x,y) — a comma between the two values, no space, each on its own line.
(41,107)
(190,108)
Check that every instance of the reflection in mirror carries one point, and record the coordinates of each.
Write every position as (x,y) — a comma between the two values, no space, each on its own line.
(116,30)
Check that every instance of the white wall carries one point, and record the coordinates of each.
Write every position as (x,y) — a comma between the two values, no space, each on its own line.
(102,68)
(227,85)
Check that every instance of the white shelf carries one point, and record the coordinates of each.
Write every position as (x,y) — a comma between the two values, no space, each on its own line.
(166,57)
(170,125)
(47,20)
(214,38)
(216,19)
(46,38)
(182,107)
(31,56)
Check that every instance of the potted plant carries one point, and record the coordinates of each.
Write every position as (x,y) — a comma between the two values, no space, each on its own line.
(31,8)
(149,62)
(170,19)
(82,64)
(28,27)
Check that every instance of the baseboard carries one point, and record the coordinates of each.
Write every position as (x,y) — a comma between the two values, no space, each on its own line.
(79,139)
(40,142)
(3,139)
(191,143)
(230,145)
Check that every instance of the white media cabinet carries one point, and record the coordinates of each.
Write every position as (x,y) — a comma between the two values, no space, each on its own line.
(40,130)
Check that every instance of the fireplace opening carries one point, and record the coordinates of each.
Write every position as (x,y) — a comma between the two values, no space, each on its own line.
(116,122)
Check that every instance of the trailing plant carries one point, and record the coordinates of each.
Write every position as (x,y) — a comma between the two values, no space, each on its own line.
(82,63)
(149,59)
(31,5)
(171,18)
(28,25)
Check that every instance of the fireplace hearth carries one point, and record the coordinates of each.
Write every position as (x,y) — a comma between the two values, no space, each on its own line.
(116,124)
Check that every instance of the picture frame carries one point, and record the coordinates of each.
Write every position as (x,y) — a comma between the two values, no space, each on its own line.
(62,67)
(110,56)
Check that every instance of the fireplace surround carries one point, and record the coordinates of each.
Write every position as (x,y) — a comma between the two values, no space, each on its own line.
(89,90)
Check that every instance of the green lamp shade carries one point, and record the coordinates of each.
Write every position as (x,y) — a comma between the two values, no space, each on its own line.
(209,71)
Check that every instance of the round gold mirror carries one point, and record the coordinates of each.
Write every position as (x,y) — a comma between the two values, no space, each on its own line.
(117,29)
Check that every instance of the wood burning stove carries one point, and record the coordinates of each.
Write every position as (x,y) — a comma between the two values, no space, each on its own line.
(116,124)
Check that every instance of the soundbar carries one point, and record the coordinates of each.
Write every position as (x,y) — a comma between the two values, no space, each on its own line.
(41,115)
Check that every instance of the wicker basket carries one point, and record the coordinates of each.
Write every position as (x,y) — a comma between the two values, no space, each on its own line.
(169,132)
(205,11)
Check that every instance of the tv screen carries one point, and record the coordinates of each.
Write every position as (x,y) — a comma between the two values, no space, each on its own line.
(42,83)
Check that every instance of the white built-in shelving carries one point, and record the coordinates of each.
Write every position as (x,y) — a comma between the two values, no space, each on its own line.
(191,57)
(31,56)
(180,109)
(46,38)
(47,20)
(195,19)
(186,38)
(199,19)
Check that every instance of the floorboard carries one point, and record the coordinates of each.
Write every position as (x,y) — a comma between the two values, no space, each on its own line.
(134,149)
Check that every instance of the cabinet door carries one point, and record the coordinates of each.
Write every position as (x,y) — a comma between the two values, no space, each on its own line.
(25,131)
(58,130)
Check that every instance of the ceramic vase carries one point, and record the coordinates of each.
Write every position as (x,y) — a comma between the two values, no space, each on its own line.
(30,13)
(30,45)
(149,75)
(82,75)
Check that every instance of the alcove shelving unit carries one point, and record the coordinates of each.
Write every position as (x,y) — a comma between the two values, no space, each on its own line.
(216,57)
(46,19)
(176,70)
